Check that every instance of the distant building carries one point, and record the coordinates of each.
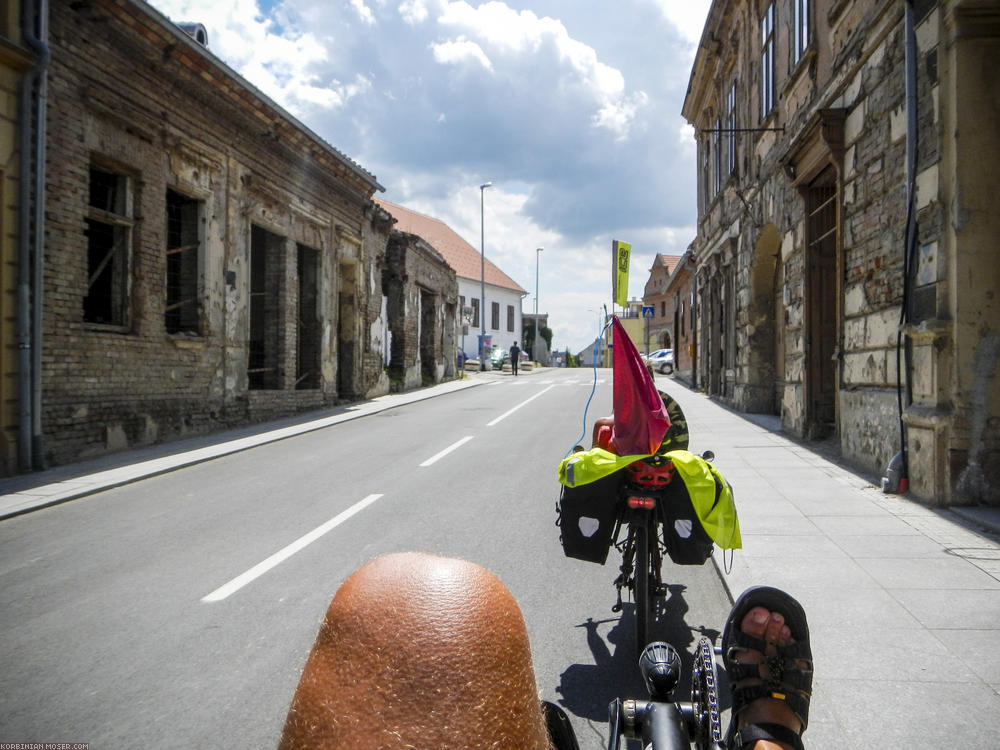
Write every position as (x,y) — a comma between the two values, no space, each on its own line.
(656,295)
(681,323)
(503,318)
(532,323)
(847,232)
(421,304)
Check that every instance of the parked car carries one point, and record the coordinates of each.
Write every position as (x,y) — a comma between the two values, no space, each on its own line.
(662,360)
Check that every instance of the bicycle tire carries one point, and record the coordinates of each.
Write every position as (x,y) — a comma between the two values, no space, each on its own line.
(640,595)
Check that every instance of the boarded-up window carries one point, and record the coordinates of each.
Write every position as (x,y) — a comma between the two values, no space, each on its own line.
(109,239)
(308,326)
(266,332)
(182,312)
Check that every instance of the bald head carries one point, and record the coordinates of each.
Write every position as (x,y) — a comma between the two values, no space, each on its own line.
(418,651)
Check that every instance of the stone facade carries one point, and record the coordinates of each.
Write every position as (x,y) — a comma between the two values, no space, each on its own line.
(209,261)
(422,298)
(809,289)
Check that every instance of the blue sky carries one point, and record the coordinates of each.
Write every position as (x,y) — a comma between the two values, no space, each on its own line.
(570,107)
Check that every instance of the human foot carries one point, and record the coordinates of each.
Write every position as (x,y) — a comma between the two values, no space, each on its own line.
(767,656)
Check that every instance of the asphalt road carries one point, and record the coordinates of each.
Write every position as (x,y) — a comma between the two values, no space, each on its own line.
(179,610)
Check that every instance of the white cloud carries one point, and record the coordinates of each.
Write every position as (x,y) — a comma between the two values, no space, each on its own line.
(413,11)
(577,122)
(459,51)
(363,11)
(520,36)
(687,15)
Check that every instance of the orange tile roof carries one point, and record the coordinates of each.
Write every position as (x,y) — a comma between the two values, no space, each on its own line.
(667,261)
(464,259)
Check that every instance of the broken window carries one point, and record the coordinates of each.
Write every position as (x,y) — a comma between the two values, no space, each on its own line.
(307,375)
(109,238)
(266,332)
(182,312)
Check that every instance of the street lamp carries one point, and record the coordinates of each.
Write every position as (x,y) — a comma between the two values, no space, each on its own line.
(534,353)
(482,273)
(597,338)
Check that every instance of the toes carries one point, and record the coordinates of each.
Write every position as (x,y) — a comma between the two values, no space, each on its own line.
(755,622)
(775,630)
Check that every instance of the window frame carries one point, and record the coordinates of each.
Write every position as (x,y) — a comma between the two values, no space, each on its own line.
(120,218)
(510,318)
(185,328)
(767,42)
(717,159)
(801,29)
(495,315)
(731,125)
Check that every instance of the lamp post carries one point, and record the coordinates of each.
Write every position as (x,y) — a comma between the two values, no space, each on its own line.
(482,273)
(534,353)
(597,338)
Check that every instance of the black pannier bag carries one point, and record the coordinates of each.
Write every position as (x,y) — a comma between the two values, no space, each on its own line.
(587,517)
(685,538)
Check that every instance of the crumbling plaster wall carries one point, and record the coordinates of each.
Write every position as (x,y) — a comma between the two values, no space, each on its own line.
(417,275)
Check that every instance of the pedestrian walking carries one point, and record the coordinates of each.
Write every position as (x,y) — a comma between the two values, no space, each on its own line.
(515,357)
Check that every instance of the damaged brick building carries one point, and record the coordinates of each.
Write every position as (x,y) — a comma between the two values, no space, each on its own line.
(846,249)
(208,260)
(422,307)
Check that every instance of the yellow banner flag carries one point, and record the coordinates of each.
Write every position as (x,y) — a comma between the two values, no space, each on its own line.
(621,252)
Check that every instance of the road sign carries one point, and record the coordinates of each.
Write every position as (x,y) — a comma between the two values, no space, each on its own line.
(647,311)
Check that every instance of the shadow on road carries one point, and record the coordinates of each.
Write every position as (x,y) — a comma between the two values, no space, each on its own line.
(587,689)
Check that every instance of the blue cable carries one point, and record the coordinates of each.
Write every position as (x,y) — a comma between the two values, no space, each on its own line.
(593,389)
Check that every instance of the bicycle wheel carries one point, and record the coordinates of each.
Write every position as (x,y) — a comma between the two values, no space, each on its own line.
(640,593)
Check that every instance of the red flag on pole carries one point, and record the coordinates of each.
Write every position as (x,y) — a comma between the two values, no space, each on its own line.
(641,419)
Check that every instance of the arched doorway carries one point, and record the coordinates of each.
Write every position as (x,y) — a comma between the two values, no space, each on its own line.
(764,371)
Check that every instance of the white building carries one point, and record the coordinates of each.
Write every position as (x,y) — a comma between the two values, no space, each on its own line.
(503,294)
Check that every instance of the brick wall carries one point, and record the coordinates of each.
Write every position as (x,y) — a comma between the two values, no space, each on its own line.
(132,102)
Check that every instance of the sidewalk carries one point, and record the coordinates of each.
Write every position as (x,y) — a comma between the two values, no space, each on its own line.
(903,600)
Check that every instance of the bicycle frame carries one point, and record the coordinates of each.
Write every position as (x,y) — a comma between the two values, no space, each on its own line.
(642,557)
(660,726)
(660,722)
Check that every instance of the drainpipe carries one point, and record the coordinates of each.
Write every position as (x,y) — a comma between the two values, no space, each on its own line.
(897,477)
(31,240)
(694,322)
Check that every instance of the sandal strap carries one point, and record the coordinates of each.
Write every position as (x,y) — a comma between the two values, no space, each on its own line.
(791,675)
(748,735)
(797,701)
(796,650)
